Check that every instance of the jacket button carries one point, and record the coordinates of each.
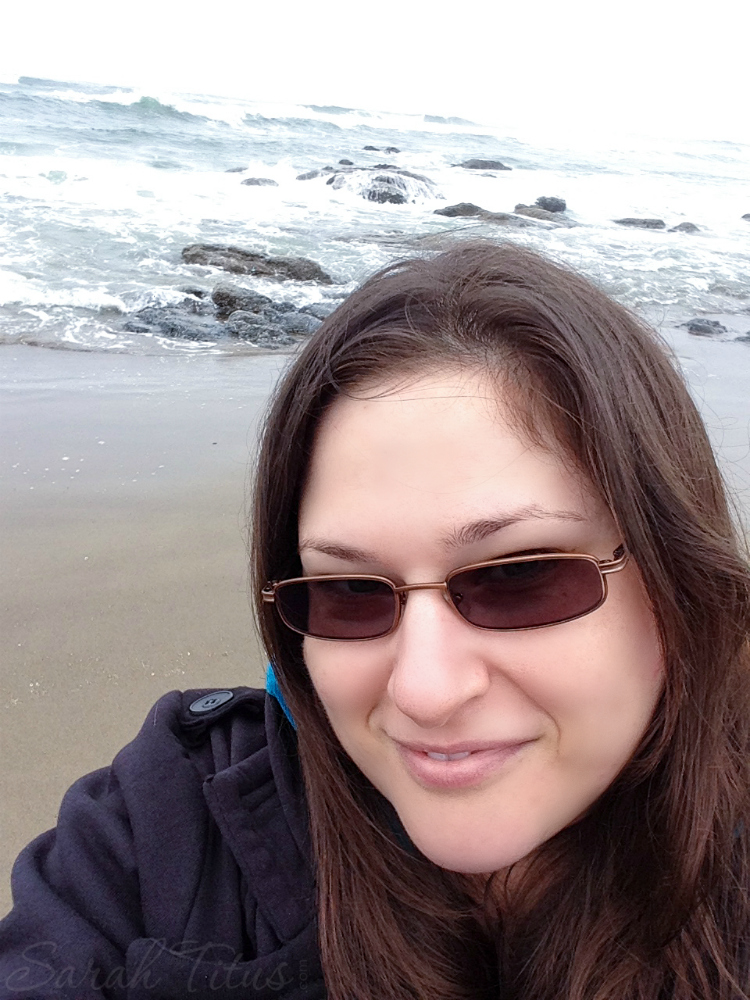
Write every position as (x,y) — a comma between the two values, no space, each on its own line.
(210,701)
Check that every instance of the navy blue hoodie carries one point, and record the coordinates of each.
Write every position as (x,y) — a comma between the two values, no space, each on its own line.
(183,870)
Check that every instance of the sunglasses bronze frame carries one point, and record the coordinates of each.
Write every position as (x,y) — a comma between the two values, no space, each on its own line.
(604,566)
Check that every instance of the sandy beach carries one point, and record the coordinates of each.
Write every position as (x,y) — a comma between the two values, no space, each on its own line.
(124,547)
(123,553)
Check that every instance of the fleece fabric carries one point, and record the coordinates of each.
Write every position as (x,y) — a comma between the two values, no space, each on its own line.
(181,871)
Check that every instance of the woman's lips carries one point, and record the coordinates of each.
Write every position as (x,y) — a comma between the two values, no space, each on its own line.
(457,766)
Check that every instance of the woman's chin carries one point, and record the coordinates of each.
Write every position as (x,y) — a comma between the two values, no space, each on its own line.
(470,855)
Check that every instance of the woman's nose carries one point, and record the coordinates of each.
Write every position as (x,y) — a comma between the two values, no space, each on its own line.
(437,665)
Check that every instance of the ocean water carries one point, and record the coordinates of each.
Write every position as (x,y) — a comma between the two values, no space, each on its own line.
(101,188)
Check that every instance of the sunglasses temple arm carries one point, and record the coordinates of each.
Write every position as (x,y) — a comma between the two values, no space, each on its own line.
(618,561)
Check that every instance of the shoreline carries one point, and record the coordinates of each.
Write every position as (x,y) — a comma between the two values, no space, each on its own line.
(124,495)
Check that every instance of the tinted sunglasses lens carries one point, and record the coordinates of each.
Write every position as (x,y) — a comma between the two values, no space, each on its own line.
(338,609)
(527,594)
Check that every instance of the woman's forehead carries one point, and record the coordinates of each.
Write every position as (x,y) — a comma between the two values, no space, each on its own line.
(446,443)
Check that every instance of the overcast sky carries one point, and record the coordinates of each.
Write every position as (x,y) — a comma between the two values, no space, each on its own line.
(657,67)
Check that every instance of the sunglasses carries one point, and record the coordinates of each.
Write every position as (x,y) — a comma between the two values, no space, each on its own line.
(503,595)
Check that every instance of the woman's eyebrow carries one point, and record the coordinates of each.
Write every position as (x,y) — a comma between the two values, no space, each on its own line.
(476,531)
(335,549)
(467,534)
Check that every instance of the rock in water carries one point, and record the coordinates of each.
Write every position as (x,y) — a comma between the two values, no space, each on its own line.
(685,227)
(384,183)
(310,175)
(172,321)
(239,261)
(464,209)
(704,327)
(535,212)
(260,182)
(484,165)
(346,163)
(551,204)
(230,298)
(746,217)
(642,223)
(320,310)
(298,322)
(235,170)
(258,330)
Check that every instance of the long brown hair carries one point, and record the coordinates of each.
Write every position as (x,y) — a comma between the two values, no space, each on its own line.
(647,897)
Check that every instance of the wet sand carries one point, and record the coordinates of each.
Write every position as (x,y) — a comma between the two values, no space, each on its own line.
(123,545)
(124,556)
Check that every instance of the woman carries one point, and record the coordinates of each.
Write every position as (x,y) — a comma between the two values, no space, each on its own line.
(508,615)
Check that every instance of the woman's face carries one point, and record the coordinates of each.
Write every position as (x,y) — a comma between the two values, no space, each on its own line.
(416,483)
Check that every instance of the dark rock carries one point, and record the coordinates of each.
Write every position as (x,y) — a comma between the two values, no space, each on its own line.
(704,327)
(685,227)
(383,197)
(372,149)
(235,170)
(299,323)
(641,223)
(239,261)
(320,309)
(463,209)
(746,217)
(199,293)
(391,149)
(384,183)
(257,330)
(260,182)
(745,338)
(506,219)
(172,321)
(484,165)
(312,174)
(229,298)
(551,204)
(535,212)
(346,163)
(242,319)
(466,209)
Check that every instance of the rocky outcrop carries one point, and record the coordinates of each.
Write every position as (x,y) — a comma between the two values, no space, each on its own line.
(382,183)
(464,209)
(704,327)
(182,321)
(310,175)
(641,223)
(746,217)
(550,204)
(685,227)
(483,165)
(534,212)
(258,329)
(234,312)
(230,298)
(260,182)
(239,261)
